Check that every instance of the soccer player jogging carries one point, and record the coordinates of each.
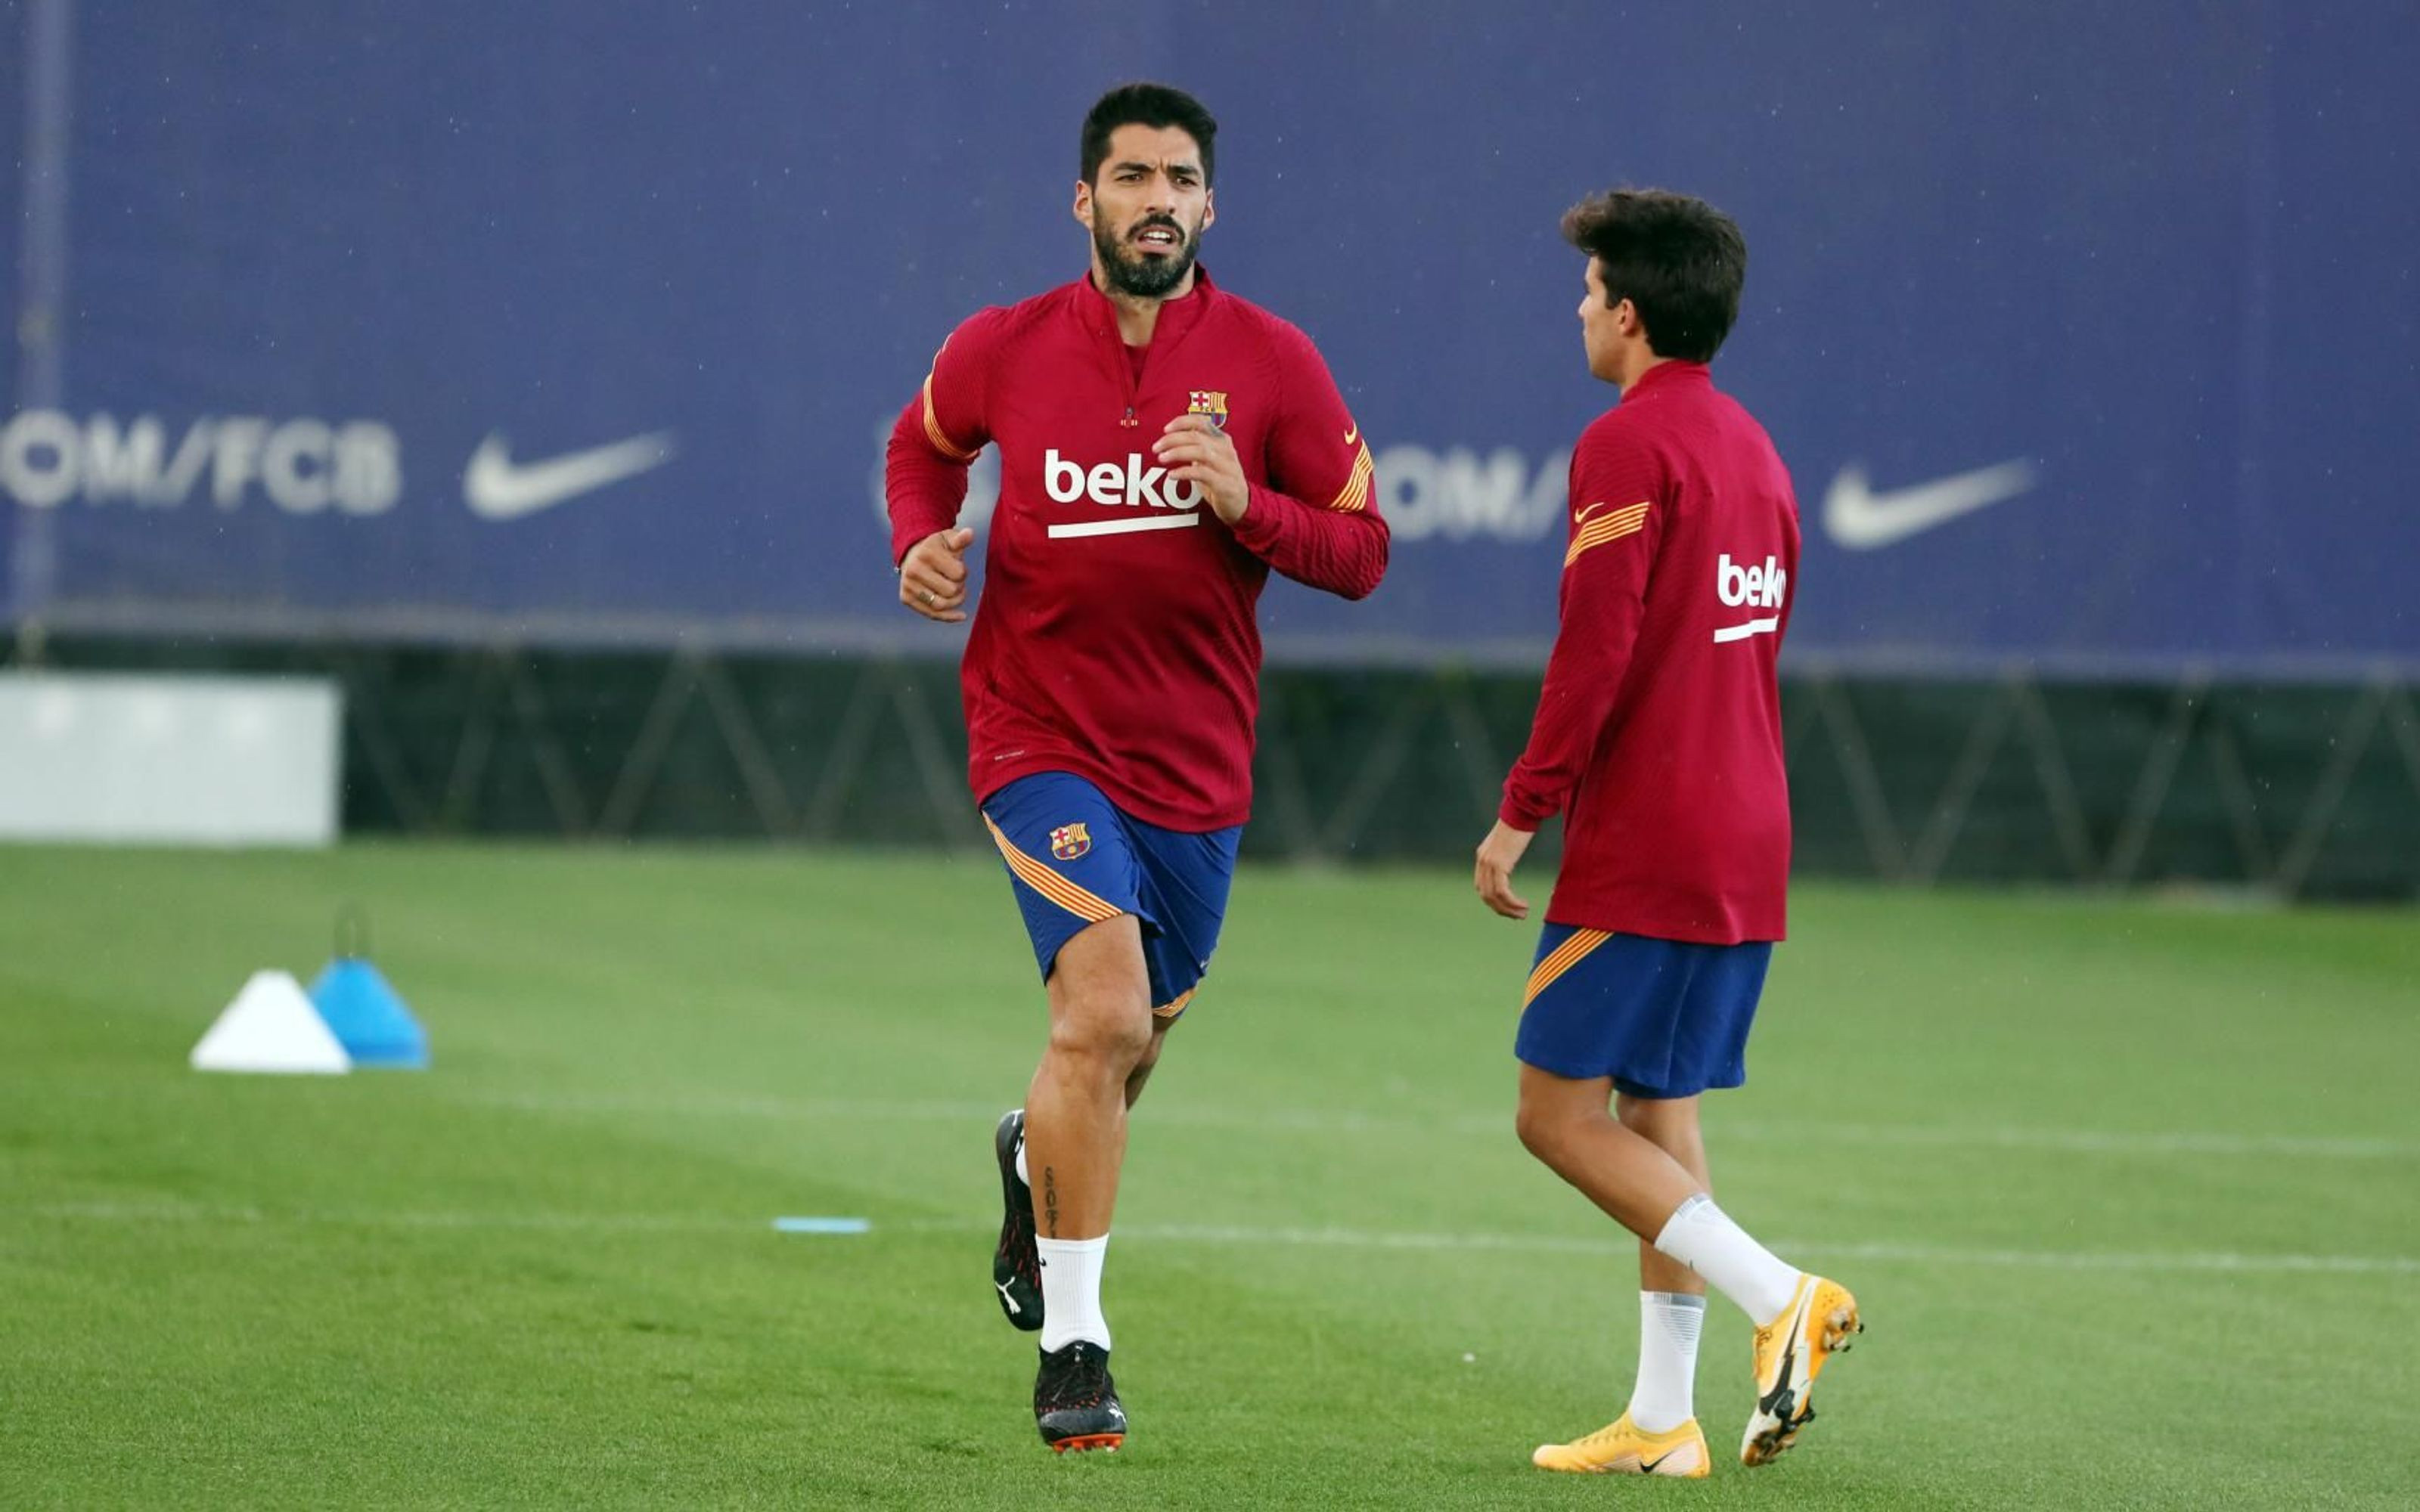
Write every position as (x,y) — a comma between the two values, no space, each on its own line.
(1164,445)
(1658,737)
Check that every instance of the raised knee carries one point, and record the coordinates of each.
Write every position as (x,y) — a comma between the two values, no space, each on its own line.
(1116,1034)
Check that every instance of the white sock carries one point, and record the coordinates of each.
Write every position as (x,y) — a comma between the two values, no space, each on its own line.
(1071,1292)
(1701,1236)
(1020,1159)
(1666,1394)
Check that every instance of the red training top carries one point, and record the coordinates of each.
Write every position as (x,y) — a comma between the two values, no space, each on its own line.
(1659,727)
(1116,637)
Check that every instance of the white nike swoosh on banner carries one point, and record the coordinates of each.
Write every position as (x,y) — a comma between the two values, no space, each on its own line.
(1861,519)
(497,487)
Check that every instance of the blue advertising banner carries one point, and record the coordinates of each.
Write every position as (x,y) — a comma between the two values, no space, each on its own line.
(2089,334)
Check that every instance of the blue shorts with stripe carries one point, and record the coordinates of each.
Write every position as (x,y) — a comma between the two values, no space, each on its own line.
(1076,859)
(1662,1018)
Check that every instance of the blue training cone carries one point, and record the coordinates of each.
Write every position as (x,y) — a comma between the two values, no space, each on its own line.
(368,1018)
(361,1009)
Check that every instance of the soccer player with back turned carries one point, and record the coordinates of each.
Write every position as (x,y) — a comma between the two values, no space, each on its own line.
(1658,737)
(1164,446)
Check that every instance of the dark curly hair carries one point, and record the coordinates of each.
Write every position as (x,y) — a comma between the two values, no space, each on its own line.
(1680,260)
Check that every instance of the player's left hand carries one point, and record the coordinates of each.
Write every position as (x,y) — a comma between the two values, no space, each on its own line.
(1194,448)
(1498,854)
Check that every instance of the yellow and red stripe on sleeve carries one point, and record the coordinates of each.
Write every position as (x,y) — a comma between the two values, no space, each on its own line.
(1608,528)
(1628,520)
(1083,904)
(934,433)
(1565,956)
(1356,493)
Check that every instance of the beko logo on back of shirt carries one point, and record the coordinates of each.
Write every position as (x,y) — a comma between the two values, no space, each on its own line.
(1740,586)
(1758,586)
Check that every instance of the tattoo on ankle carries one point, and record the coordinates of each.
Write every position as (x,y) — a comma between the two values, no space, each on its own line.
(1050,1202)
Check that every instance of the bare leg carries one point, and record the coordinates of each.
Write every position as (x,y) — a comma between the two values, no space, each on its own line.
(1569,1125)
(1075,1110)
(1671,1125)
(1141,1073)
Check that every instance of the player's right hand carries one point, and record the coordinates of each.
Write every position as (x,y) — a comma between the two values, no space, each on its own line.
(1498,854)
(933,574)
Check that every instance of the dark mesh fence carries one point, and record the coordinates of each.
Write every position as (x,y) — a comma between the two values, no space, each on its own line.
(2300,788)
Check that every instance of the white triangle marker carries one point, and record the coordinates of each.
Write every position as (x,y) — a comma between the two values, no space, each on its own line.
(271,1027)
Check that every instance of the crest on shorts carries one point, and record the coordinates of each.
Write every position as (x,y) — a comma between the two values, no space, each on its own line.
(1211,402)
(1069,841)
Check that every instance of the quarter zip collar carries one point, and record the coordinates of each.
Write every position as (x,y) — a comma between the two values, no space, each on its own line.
(1178,318)
(1102,316)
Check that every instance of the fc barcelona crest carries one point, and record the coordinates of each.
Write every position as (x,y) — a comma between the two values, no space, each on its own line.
(1211,402)
(1069,841)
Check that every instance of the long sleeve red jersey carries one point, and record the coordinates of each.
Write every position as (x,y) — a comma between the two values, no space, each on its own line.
(1115,636)
(1659,728)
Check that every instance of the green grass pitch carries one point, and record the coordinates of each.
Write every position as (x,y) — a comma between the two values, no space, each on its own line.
(2129,1189)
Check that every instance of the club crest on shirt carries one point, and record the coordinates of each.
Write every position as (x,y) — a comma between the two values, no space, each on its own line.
(1211,402)
(1069,841)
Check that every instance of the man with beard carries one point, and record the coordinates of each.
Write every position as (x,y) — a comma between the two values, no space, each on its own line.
(1164,445)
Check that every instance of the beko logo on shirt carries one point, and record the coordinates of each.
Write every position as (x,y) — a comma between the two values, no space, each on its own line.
(1742,586)
(1129,484)
(1110,484)
(1739,587)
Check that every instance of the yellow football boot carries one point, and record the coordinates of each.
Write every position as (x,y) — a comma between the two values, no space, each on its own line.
(1789,1354)
(1623,1449)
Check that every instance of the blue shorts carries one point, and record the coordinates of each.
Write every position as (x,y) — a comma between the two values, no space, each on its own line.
(1076,859)
(1662,1018)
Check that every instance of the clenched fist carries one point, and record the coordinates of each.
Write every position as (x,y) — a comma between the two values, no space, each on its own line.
(933,574)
